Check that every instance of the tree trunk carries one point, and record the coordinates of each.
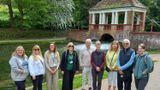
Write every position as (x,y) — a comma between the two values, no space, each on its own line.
(10,11)
(20,8)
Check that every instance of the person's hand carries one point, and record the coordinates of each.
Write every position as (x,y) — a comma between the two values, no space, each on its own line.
(53,71)
(98,69)
(111,69)
(62,72)
(34,77)
(120,72)
(77,71)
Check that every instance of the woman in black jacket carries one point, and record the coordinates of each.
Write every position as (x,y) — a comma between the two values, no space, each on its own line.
(69,66)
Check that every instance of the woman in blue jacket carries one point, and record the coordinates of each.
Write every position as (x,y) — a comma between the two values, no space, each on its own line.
(142,68)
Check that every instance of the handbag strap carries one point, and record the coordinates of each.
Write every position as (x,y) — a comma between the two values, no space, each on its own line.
(112,58)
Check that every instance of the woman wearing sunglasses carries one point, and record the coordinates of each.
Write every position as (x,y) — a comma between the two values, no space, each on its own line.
(69,65)
(36,67)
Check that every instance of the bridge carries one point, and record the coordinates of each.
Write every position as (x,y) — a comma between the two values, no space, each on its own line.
(115,20)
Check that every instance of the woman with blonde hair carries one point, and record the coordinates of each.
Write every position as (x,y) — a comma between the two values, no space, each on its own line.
(36,67)
(19,67)
(69,66)
(111,64)
(52,61)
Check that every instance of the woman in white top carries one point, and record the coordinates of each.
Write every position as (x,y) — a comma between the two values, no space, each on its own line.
(52,61)
(36,67)
(19,67)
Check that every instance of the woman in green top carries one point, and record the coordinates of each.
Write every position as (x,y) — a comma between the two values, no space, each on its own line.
(69,66)
(111,62)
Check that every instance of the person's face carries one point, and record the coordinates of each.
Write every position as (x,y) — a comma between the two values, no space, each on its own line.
(70,47)
(36,51)
(126,45)
(140,50)
(114,46)
(98,46)
(52,47)
(20,52)
(88,44)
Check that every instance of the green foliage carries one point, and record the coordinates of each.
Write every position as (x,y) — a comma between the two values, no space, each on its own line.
(41,14)
(152,13)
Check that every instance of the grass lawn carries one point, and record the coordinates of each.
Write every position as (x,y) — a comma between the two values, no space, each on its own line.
(77,81)
(5,53)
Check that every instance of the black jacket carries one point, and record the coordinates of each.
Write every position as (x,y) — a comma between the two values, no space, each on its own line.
(63,64)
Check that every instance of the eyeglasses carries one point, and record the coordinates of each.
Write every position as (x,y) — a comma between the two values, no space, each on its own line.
(70,46)
(36,49)
(126,43)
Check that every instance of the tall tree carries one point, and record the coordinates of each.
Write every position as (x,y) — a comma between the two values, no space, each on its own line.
(10,11)
(61,12)
(20,5)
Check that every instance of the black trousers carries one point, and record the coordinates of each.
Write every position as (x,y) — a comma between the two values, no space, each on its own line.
(97,75)
(141,83)
(68,80)
(126,80)
(37,83)
(20,85)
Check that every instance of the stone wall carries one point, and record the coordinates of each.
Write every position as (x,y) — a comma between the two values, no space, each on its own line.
(150,39)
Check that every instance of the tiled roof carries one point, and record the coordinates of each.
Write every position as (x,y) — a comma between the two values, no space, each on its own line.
(108,4)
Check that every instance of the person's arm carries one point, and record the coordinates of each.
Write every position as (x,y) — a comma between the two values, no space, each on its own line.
(92,62)
(45,61)
(129,63)
(58,60)
(77,62)
(115,61)
(14,65)
(149,64)
(62,67)
(31,66)
(107,60)
(104,60)
(118,61)
(81,58)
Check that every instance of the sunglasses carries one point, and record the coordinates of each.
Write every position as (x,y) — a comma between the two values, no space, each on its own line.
(36,49)
(70,46)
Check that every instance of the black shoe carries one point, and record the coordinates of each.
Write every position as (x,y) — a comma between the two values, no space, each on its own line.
(89,88)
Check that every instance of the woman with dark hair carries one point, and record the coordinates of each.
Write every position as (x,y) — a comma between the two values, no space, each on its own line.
(69,66)
(52,61)
(143,66)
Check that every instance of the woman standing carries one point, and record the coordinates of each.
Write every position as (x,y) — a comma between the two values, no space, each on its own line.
(97,62)
(69,65)
(52,61)
(19,67)
(143,66)
(36,67)
(111,62)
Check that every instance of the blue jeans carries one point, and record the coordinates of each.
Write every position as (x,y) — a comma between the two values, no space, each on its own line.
(141,83)
(20,85)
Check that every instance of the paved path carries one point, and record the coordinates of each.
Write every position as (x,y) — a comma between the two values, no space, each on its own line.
(154,81)
(30,40)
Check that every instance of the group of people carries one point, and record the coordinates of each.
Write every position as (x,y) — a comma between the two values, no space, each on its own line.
(119,63)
